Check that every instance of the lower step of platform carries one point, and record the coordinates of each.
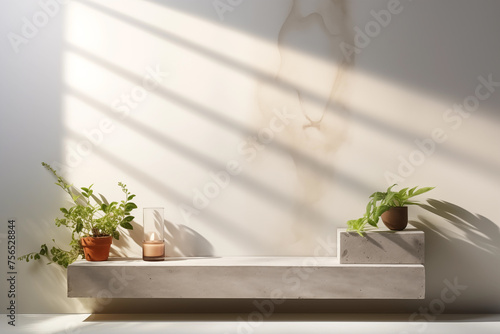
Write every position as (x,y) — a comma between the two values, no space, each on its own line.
(245,277)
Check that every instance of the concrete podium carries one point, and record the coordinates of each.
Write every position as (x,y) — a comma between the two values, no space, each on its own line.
(383,265)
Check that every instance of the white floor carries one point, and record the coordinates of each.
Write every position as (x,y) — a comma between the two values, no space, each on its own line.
(242,324)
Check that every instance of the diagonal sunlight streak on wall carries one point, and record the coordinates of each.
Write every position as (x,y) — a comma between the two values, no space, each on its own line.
(411,117)
(77,77)
(359,114)
(221,225)
(184,151)
(192,124)
(314,164)
(362,115)
(418,122)
(248,68)
(209,17)
(203,36)
(167,10)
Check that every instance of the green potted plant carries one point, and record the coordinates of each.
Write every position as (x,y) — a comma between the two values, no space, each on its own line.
(93,223)
(391,206)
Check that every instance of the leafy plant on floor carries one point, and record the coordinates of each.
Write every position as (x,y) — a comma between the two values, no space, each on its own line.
(88,216)
(380,202)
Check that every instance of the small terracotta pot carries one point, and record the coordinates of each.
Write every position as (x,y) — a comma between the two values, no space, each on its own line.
(96,248)
(396,218)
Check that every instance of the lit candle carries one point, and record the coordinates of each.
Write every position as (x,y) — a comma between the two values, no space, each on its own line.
(153,250)
(153,247)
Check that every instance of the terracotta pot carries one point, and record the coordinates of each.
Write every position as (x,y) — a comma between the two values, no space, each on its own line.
(96,248)
(396,218)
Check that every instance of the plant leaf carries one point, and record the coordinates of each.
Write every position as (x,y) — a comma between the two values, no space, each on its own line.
(126,225)
(381,209)
(79,225)
(377,196)
(410,193)
(390,188)
(390,197)
(128,219)
(368,208)
(130,206)
(422,190)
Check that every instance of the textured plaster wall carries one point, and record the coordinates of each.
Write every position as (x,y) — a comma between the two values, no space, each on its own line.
(260,126)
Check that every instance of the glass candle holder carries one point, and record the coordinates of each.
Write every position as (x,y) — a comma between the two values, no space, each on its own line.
(153,245)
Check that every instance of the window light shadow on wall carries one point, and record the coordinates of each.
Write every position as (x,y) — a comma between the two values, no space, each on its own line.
(284,86)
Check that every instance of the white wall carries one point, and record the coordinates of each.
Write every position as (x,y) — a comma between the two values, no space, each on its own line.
(225,81)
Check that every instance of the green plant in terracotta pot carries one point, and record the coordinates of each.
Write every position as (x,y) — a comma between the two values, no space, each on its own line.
(93,223)
(391,206)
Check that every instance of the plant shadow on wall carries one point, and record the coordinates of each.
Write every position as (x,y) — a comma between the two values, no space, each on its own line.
(180,241)
(463,237)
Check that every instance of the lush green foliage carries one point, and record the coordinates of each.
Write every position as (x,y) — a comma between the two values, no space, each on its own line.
(89,216)
(380,202)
